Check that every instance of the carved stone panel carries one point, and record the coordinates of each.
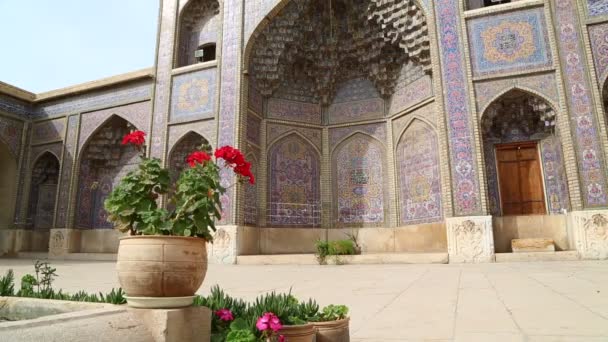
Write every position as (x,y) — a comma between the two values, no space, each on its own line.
(64,241)
(224,247)
(470,239)
(591,233)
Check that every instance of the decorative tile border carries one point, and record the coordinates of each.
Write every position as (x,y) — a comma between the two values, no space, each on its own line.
(69,155)
(465,179)
(411,94)
(207,129)
(229,90)
(578,94)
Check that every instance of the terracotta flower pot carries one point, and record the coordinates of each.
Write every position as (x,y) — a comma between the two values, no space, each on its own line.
(161,266)
(333,331)
(298,333)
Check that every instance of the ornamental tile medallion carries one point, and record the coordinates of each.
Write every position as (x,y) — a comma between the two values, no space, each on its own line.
(509,42)
(193,95)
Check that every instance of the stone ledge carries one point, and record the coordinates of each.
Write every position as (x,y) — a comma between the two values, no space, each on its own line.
(537,256)
(69,256)
(364,259)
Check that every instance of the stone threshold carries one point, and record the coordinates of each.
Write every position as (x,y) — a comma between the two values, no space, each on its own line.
(364,259)
(537,256)
(69,256)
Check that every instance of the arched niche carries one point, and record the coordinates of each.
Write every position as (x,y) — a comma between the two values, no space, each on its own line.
(104,161)
(43,191)
(293,183)
(199,32)
(418,174)
(189,143)
(8,186)
(524,162)
(359,177)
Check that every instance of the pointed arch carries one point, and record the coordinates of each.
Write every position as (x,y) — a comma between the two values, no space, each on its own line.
(86,137)
(409,122)
(44,179)
(350,135)
(102,162)
(523,117)
(418,174)
(360,181)
(526,90)
(185,145)
(198,25)
(300,135)
(294,173)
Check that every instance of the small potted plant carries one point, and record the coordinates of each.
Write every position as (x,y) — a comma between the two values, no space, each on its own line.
(332,324)
(163,260)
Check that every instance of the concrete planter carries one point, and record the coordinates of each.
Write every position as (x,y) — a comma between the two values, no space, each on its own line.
(298,333)
(333,331)
(161,266)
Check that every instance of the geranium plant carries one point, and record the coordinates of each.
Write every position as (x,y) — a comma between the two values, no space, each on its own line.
(132,206)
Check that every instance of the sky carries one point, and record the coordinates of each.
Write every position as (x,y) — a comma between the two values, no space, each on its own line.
(51,44)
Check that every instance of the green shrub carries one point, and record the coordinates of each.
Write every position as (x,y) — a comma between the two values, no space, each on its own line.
(334,313)
(334,248)
(7,284)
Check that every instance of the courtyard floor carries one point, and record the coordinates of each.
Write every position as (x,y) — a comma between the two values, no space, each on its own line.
(551,301)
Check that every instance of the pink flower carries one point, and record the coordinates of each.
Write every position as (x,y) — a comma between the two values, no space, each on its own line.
(281,338)
(275,323)
(224,315)
(269,321)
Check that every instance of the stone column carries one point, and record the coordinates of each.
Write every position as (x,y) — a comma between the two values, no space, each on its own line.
(589,230)
(470,239)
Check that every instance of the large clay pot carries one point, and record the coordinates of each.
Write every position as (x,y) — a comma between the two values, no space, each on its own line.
(161,266)
(333,331)
(298,333)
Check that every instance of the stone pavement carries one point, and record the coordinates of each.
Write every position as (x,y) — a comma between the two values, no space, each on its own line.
(551,301)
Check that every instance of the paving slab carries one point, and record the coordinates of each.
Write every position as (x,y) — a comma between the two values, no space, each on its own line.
(533,301)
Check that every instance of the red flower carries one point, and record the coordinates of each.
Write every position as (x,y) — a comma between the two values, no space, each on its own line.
(136,138)
(197,157)
(234,158)
(224,315)
(231,155)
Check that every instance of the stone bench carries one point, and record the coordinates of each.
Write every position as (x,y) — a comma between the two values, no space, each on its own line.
(532,245)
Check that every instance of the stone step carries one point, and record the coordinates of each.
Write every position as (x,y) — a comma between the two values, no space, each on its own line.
(537,256)
(310,259)
(532,245)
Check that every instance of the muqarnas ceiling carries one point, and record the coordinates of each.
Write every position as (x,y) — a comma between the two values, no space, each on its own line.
(314,45)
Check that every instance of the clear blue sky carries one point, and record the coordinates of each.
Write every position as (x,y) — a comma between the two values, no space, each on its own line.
(50,44)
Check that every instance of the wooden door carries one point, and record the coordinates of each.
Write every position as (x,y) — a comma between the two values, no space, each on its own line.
(520,179)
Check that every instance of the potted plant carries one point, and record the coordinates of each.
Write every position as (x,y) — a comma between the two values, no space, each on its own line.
(282,316)
(163,260)
(332,324)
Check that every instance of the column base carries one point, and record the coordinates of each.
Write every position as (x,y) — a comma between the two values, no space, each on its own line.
(590,233)
(223,250)
(470,239)
(64,241)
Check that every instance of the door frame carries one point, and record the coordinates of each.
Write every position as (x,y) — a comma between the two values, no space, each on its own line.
(535,142)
